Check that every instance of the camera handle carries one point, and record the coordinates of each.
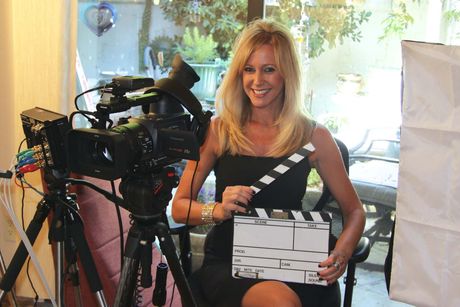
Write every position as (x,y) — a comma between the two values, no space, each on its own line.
(146,198)
(66,229)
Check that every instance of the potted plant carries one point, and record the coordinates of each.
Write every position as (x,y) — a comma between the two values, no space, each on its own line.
(196,47)
(224,20)
(200,52)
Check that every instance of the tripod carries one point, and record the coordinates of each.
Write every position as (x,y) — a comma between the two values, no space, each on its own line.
(147,197)
(66,230)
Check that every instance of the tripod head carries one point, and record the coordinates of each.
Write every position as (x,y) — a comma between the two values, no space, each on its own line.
(146,196)
(55,180)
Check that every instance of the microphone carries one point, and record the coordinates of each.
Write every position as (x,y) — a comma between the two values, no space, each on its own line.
(159,293)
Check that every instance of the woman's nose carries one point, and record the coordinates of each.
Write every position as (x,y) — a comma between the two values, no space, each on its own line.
(258,78)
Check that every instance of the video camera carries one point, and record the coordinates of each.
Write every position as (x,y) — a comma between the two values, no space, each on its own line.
(163,135)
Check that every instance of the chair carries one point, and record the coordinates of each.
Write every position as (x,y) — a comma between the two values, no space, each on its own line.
(360,254)
(362,250)
(373,172)
(378,156)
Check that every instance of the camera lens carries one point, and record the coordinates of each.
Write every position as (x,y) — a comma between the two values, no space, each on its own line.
(102,153)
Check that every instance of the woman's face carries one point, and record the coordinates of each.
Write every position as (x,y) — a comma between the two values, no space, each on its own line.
(262,80)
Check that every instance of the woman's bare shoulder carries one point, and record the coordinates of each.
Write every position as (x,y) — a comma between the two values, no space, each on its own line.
(323,142)
(212,133)
(321,135)
(214,125)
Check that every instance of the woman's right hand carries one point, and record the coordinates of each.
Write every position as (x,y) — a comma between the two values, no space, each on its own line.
(234,199)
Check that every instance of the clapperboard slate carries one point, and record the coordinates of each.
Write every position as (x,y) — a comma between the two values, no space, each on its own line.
(276,244)
(284,245)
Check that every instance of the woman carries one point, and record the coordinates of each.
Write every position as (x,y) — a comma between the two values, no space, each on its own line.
(260,122)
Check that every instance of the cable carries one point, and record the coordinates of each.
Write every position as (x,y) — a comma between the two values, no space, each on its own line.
(120,225)
(37,297)
(86,113)
(23,180)
(113,198)
(20,144)
(191,194)
(86,92)
(6,199)
(172,294)
(24,228)
(29,155)
(22,206)
(138,298)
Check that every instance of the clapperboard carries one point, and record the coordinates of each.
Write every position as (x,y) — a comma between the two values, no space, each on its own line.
(284,245)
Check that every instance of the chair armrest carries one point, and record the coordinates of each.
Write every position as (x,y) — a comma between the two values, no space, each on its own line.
(361,251)
(360,157)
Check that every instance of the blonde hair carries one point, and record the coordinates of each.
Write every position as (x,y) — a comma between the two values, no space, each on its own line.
(234,107)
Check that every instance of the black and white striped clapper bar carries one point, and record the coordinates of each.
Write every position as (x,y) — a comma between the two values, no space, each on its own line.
(283,167)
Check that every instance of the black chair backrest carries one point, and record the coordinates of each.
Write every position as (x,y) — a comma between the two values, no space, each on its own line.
(326,195)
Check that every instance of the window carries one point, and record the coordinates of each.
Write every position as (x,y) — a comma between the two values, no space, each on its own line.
(135,37)
(351,56)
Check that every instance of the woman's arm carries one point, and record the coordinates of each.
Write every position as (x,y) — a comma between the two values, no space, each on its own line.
(329,163)
(234,198)
(184,193)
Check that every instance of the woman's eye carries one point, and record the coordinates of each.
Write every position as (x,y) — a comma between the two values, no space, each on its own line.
(269,69)
(248,69)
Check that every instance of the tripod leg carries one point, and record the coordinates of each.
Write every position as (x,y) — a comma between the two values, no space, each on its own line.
(58,273)
(169,250)
(130,269)
(77,234)
(21,253)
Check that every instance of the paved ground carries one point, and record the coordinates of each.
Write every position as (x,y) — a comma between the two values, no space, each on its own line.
(370,289)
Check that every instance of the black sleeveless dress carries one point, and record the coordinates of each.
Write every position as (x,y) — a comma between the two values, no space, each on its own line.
(286,192)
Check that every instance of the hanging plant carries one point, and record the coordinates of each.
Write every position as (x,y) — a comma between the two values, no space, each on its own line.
(327,23)
(397,22)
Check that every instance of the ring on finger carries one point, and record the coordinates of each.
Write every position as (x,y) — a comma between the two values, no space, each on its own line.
(336,264)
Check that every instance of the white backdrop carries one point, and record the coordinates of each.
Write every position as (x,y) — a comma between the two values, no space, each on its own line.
(426,259)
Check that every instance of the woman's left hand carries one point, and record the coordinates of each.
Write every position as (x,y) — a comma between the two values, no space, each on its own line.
(334,266)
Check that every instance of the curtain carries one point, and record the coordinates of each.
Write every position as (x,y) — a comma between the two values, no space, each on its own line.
(37,56)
